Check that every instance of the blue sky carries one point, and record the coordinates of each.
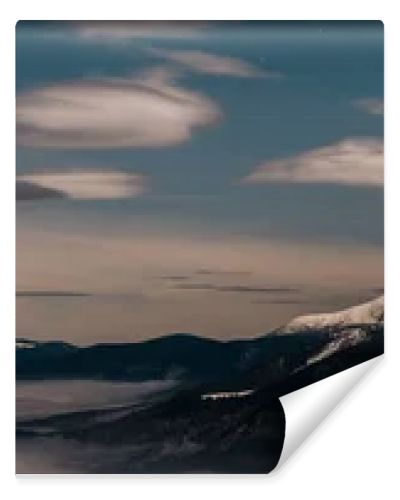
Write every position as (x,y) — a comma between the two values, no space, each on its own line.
(260,137)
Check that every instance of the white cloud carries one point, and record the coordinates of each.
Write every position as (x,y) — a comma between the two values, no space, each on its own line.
(150,110)
(203,62)
(125,30)
(350,161)
(371,105)
(85,184)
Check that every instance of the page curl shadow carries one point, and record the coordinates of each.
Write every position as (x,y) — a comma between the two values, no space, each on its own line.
(306,408)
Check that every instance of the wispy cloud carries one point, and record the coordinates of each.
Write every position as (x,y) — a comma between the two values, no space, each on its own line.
(205,272)
(280,302)
(174,278)
(236,288)
(231,272)
(80,184)
(356,161)
(370,105)
(50,293)
(126,30)
(148,110)
(213,64)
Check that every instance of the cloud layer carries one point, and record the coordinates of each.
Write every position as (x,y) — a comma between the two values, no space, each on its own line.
(80,184)
(350,161)
(150,110)
(203,62)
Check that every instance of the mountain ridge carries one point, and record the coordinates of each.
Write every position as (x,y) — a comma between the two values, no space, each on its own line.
(369,312)
(231,365)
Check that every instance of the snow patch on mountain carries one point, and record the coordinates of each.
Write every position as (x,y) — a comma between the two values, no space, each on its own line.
(227,395)
(369,313)
(344,340)
(25,344)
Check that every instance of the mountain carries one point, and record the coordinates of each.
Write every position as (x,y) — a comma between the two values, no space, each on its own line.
(180,356)
(224,416)
(364,314)
(182,434)
(353,335)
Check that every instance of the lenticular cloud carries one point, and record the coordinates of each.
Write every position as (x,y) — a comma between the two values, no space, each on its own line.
(350,161)
(81,184)
(147,111)
(213,64)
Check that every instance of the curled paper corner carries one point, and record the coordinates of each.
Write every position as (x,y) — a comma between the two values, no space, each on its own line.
(306,408)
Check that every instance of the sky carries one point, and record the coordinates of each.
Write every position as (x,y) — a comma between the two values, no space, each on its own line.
(208,178)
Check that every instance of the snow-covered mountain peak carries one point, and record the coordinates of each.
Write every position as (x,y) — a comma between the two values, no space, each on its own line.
(368,313)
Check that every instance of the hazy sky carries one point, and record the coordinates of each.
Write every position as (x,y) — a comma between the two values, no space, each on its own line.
(217,178)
